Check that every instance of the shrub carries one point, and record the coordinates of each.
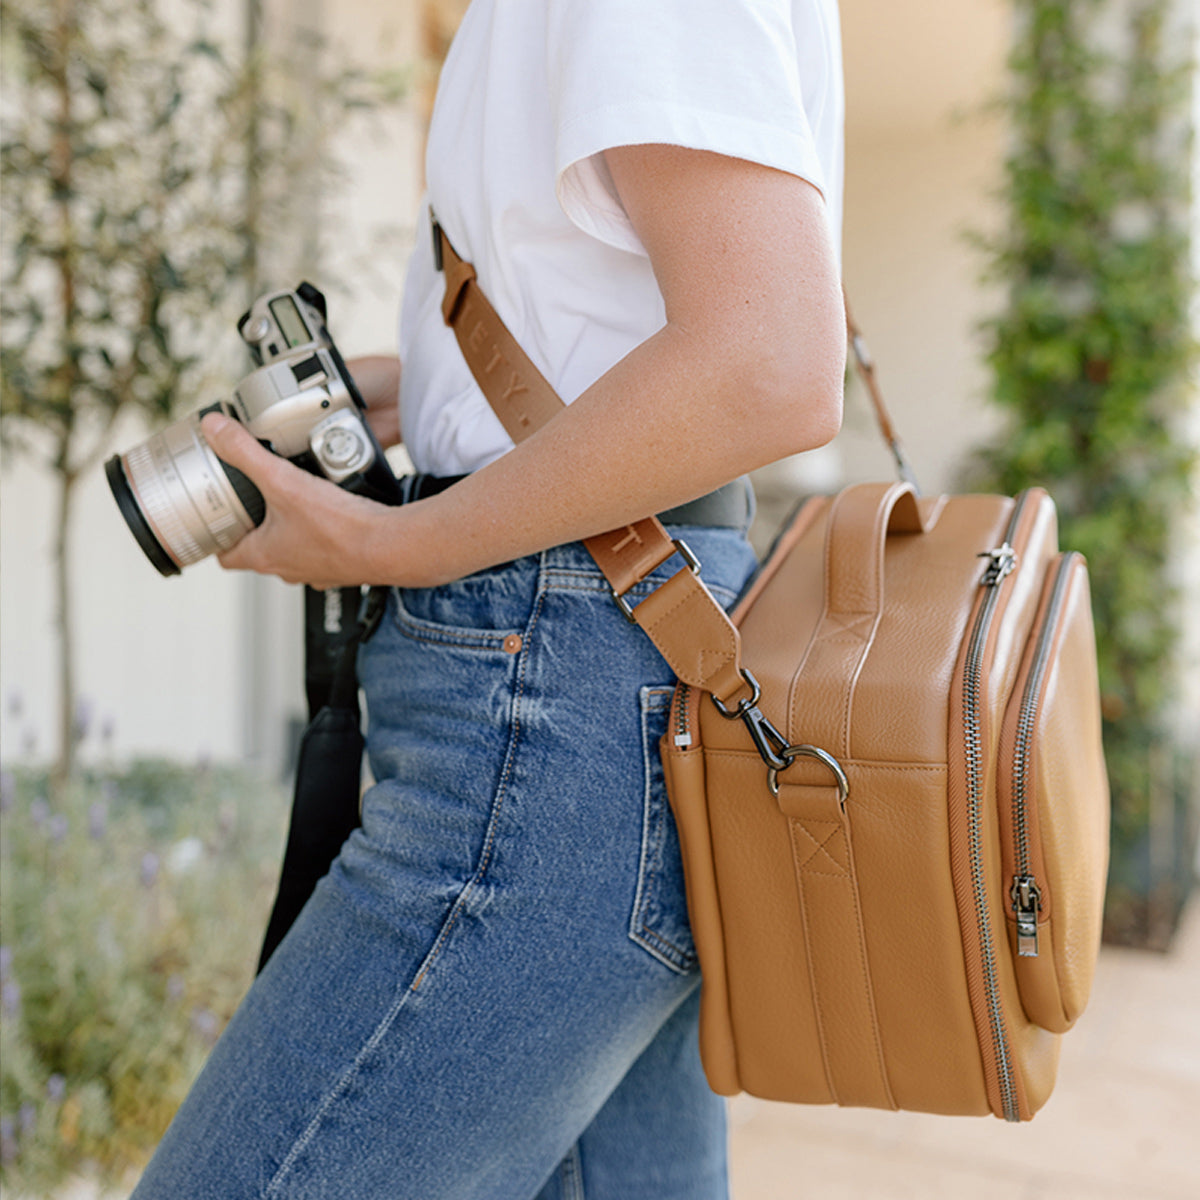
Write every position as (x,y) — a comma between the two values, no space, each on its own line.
(131,911)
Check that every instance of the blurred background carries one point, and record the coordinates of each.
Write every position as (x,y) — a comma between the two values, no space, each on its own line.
(1020,247)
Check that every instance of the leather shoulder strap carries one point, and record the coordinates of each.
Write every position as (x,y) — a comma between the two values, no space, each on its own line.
(682,618)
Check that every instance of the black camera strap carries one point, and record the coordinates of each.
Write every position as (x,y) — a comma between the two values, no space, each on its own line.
(325,799)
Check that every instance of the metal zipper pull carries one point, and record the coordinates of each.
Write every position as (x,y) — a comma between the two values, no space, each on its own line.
(1027,903)
(1001,562)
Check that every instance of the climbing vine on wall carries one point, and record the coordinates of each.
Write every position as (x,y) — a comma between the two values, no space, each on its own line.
(1091,355)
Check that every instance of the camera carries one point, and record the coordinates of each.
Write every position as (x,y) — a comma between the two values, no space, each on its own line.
(182,503)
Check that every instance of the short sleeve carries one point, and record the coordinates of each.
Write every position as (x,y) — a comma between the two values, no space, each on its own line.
(717,75)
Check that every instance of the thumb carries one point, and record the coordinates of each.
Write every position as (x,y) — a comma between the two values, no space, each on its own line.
(235,445)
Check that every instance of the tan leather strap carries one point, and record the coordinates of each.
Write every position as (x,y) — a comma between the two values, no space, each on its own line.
(865,366)
(514,387)
(838,965)
(860,522)
(682,618)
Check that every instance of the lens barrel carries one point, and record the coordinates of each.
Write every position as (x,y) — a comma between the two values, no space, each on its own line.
(180,501)
(138,526)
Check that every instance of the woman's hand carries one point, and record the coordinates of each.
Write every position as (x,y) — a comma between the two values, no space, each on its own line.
(314,532)
(378,380)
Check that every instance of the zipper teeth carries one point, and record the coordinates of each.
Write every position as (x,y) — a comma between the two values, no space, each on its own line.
(682,692)
(972,726)
(1028,715)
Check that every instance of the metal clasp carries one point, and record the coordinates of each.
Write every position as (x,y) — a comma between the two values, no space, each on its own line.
(822,756)
(768,741)
(684,552)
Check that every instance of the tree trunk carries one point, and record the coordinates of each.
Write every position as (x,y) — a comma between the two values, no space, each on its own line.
(64,764)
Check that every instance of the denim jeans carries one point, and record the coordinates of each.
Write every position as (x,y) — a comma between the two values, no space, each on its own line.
(493,994)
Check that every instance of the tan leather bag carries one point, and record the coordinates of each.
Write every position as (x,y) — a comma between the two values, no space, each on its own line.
(887,777)
(908,915)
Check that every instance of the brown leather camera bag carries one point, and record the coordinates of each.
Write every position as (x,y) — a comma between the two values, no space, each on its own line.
(887,776)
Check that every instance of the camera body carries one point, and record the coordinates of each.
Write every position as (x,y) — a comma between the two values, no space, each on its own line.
(182,503)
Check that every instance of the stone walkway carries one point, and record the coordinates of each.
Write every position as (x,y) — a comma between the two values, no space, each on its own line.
(1123,1123)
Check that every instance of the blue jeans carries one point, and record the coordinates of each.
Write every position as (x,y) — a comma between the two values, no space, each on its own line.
(493,994)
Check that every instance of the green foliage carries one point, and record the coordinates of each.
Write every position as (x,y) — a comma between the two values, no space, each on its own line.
(148,174)
(133,908)
(1091,356)
(149,181)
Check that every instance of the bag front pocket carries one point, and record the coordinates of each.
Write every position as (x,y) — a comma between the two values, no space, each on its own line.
(1053,805)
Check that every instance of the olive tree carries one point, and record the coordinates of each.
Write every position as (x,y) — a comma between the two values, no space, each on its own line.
(149,166)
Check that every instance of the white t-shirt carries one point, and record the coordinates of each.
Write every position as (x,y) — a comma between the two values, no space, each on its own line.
(531,94)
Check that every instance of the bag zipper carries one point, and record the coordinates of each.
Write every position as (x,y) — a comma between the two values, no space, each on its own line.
(681,723)
(1002,561)
(1025,893)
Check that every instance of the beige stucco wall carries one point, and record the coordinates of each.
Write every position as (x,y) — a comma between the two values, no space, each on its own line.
(209,663)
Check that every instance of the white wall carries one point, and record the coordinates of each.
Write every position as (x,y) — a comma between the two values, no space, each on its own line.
(204,664)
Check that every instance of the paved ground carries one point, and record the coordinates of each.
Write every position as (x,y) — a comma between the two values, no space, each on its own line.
(1123,1123)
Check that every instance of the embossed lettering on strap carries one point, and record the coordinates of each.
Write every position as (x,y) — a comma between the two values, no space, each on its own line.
(682,618)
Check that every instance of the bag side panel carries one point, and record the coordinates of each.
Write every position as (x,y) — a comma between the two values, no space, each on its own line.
(684,774)
(772,1008)
(909,916)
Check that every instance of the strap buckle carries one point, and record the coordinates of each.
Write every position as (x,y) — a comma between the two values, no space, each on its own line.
(684,552)
(768,741)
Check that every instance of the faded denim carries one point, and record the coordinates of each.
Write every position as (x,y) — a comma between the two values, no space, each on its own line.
(492,995)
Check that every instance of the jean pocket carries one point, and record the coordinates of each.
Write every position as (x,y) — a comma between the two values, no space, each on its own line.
(486,611)
(659,923)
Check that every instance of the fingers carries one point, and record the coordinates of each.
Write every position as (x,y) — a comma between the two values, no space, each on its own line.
(238,447)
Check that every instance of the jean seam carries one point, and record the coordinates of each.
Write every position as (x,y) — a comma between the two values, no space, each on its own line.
(572,1175)
(447,635)
(485,856)
(338,1089)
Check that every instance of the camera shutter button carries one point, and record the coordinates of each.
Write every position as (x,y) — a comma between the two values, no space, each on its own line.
(341,447)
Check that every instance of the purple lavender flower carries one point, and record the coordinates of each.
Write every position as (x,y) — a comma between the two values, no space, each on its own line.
(10,998)
(205,1025)
(8,1140)
(8,790)
(27,1119)
(85,712)
(97,820)
(39,811)
(149,869)
(56,1088)
(58,827)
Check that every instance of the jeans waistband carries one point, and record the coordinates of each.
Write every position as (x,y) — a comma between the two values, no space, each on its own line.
(729,507)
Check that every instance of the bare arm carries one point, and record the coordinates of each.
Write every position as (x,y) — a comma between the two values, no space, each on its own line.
(378,379)
(747,369)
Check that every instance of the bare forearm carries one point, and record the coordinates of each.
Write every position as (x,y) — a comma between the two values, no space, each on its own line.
(675,419)
(747,369)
